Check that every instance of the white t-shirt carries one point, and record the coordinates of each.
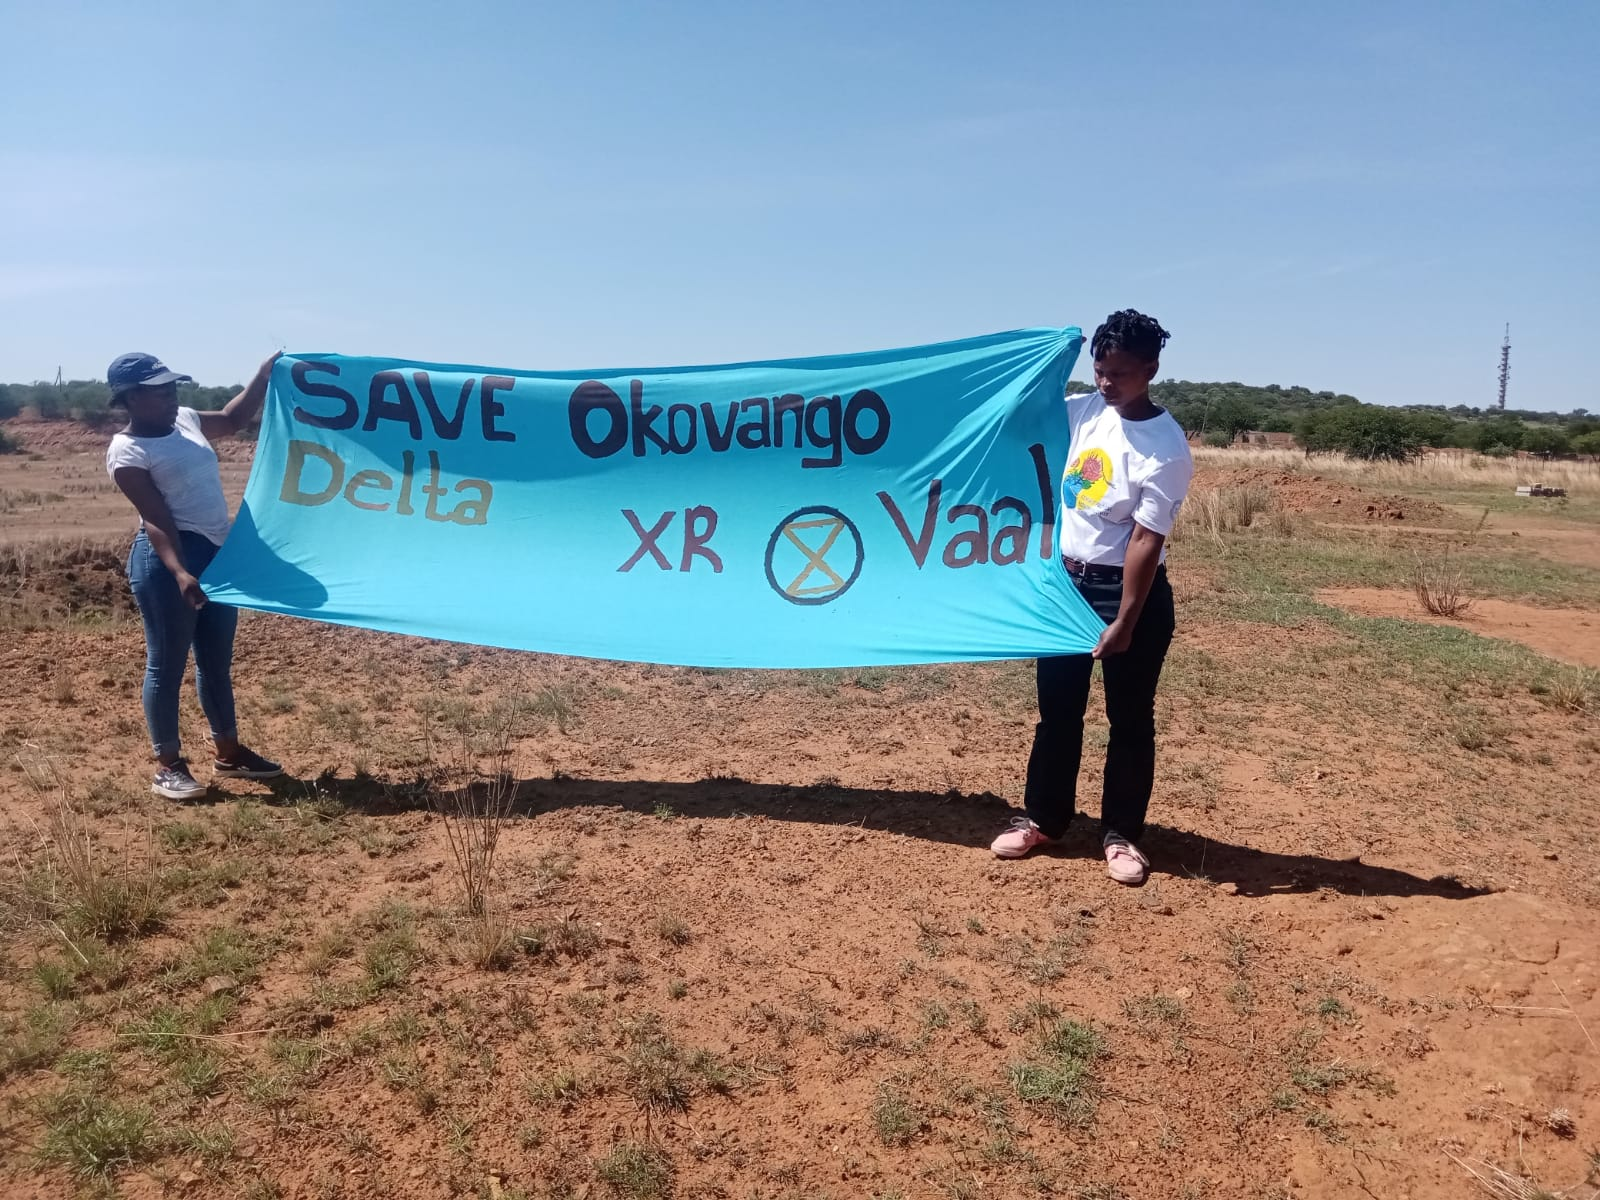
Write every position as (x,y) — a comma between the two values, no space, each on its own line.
(184,468)
(1119,472)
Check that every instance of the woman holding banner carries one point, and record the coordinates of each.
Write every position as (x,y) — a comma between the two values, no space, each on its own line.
(163,462)
(1129,470)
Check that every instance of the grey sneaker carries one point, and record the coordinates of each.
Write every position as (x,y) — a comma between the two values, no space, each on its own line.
(175,783)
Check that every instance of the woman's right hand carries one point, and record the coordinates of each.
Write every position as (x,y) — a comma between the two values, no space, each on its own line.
(190,587)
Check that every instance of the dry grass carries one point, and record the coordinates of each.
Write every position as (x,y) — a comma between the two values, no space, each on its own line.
(23,561)
(1216,513)
(84,895)
(1575,689)
(1446,468)
(1502,1184)
(487,941)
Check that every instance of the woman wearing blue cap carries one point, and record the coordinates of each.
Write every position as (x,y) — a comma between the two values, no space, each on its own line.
(163,462)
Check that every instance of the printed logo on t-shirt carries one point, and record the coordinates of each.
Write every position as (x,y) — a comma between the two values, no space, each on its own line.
(1087,481)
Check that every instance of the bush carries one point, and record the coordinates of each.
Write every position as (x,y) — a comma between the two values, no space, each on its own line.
(1501,431)
(1440,586)
(1547,441)
(1363,432)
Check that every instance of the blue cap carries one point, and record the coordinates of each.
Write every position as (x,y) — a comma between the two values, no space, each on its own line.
(141,370)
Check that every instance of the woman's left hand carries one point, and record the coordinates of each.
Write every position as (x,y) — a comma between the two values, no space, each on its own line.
(264,371)
(1115,639)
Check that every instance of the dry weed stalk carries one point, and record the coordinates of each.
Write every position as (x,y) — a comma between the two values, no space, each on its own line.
(474,811)
(1440,585)
(1506,1186)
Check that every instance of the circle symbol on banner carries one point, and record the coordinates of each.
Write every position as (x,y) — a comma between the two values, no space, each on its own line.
(814,555)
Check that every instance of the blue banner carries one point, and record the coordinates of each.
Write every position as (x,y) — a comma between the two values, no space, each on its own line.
(891,507)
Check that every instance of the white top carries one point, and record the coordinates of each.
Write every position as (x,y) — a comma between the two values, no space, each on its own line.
(1119,472)
(184,468)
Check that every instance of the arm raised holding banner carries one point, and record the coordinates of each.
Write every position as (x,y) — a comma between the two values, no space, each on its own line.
(237,414)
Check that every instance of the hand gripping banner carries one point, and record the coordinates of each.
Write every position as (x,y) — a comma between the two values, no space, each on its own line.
(891,507)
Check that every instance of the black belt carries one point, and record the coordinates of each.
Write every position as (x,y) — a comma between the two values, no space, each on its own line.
(1091,571)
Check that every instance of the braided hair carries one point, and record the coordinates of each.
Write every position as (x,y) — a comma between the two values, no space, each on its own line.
(1139,335)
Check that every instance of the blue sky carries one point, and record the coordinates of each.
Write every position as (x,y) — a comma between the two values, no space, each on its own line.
(1354,197)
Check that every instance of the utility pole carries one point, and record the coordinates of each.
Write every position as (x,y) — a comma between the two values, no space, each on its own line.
(1505,368)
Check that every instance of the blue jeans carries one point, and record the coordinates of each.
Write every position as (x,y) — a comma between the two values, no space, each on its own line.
(171,626)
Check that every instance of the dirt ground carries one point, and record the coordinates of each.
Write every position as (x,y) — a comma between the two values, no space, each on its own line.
(1331,499)
(746,939)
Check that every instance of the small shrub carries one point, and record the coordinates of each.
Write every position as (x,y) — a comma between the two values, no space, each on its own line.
(574,938)
(391,956)
(35,1040)
(1061,1077)
(1440,586)
(198,1073)
(330,947)
(61,690)
(1574,690)
(1331,1008)
(555,704)
(278,699)
(212,1145)
(181,835)
(94,1136)
(635,1171)
(220,951)
(1149,1013)
(562,1088)
(655,1070)
(488,942)
(55,978)
(673,929)
(894,1120)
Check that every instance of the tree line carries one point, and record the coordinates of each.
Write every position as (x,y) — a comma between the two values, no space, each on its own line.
(1330,422)
(88,399)
(1322,422)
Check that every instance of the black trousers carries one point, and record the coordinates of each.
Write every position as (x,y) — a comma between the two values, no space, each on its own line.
(1130,682)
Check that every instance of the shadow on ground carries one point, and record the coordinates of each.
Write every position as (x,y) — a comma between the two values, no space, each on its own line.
(955,818)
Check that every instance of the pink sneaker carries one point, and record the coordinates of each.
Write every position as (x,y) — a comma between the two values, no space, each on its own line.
(1125,862)
(1021,837)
